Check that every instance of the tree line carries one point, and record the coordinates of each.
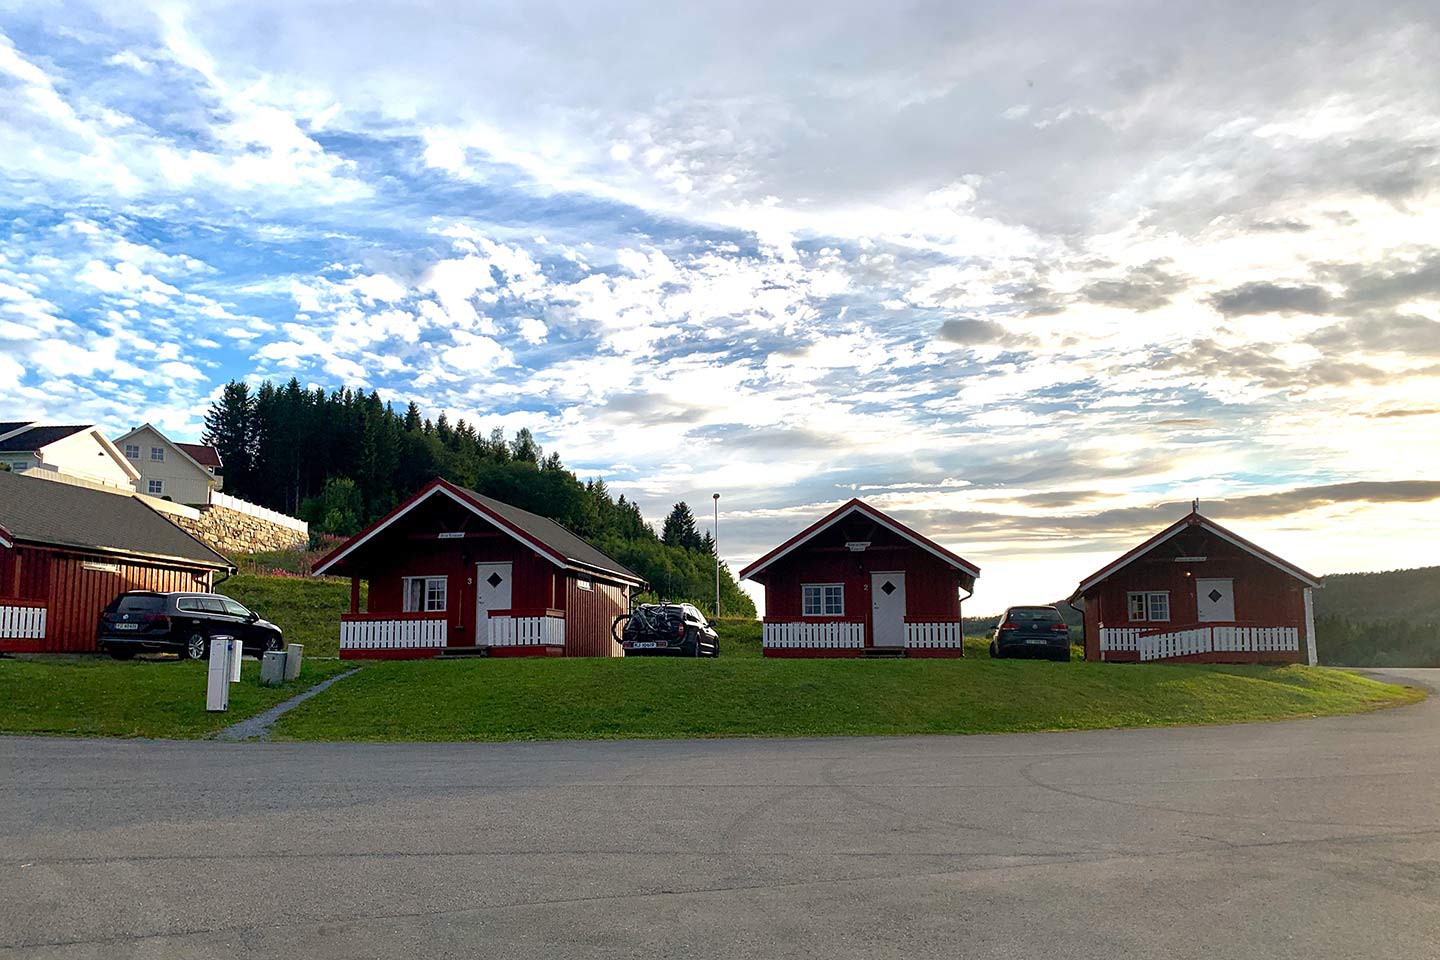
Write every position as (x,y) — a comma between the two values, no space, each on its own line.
(342,458)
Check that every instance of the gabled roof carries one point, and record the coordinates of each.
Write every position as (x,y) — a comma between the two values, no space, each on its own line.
(847,509)
(37,436)
(52,513)
(1196,519)
(8,427)
(541,534)
(201,453)
(186,450)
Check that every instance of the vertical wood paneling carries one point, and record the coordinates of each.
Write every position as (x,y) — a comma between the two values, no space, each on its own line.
(588,616)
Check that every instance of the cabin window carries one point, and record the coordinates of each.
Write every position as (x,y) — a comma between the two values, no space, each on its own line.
(823,599)
(155,487)
(157,454)
(585,583)
(424,594)
(132,451)
(1152,606)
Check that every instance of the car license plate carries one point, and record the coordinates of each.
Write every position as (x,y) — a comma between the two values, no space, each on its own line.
(641,646)
(1034,639)
(127,626)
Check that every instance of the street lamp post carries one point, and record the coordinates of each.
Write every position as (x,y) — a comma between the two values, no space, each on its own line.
(716,498)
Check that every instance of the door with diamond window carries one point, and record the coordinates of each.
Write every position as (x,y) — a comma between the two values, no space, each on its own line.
(887,609)
(492,592)
(1215,601)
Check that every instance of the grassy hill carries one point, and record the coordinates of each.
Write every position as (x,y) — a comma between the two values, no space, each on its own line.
(1389,619)
(308,611)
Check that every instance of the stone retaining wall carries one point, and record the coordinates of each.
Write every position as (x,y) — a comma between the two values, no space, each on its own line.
(229,532)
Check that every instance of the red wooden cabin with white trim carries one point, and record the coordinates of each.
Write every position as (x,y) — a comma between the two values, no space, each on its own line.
(1197,591)
(454,570)
(859,581)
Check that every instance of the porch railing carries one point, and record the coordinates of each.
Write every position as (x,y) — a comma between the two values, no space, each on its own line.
(819,635)
(527,628)
(934,635)
(1193,639)
(393,631)
(22,619)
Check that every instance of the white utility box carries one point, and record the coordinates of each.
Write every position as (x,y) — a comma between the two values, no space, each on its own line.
(293,655)
(272,668)
(224,663)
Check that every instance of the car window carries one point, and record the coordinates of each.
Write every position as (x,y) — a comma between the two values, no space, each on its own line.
(1034,614)
(188,604)
(210,604)
(143,603)
(233,608)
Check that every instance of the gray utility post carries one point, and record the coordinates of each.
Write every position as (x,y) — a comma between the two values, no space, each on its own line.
(716,498)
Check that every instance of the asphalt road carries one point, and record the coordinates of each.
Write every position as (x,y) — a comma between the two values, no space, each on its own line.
(1310,839)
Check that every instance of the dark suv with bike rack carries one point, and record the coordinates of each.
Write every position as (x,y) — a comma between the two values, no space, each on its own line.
(143,621)
(666,630)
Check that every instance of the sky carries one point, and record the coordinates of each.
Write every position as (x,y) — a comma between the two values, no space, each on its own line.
(1030,277)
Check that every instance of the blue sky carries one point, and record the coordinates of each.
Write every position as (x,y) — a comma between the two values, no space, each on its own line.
(1028,277)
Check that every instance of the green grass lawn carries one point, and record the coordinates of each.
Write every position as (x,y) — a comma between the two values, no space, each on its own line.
(97,697)
(307,611)
(749,697)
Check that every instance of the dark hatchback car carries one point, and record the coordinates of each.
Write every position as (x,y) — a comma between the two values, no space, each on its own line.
(666,630)
(1038,632)
(142,621)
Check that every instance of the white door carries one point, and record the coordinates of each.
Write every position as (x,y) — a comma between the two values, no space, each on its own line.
(887,608)
(1215,600)
(492,592)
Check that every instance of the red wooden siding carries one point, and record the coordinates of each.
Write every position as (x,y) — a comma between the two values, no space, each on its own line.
(589,615)
(76,587)
(932,587)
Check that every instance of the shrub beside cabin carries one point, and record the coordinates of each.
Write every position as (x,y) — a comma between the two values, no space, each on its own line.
(453,570)
(858,582)
(1197,591)
(66,551)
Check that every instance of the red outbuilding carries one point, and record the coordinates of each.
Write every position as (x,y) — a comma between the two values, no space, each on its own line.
(1197,591)
(858,582)
(454,570)
(67,550)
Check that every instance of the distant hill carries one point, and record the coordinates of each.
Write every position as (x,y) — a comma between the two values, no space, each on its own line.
(1392,595)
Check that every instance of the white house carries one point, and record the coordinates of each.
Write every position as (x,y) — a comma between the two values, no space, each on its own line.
(182,472)
(79,451)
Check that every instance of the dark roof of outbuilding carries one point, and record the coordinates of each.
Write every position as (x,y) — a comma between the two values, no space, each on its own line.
(37,437)
(61,514)
(203,454)
(561,546)
(8,425)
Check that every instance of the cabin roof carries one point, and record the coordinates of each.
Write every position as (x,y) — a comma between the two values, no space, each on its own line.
(884,520)
(1196,519)
(543,535)
(54,513)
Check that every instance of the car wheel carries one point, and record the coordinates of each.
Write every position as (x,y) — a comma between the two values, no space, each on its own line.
(1062,657)
(994,651)
(197,647)
(120,653)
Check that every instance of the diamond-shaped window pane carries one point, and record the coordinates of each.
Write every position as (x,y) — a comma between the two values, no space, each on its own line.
(888,589)
(494,580)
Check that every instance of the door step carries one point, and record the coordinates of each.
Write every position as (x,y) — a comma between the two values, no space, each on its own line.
(455,653)
(882,653)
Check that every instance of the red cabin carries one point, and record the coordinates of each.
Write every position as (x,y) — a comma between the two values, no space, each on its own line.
(1197,591)
(453,570)
(858,581)
(66,551)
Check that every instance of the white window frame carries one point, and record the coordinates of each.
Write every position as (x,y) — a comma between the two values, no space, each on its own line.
(585,583)
(432,600)
(1149,600)
(823,594)
(129,455)
(155,488)
(157,454)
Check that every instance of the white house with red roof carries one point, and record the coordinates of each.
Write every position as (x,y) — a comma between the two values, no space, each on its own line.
(182,472)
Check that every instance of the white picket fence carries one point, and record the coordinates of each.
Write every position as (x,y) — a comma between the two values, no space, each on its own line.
(931,636)
(527,631)
(1185,643)
(21,621)
(821,636)
(1120,638)
(406,634)
(227,502)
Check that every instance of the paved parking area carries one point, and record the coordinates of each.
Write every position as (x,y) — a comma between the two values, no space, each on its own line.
(1310,839)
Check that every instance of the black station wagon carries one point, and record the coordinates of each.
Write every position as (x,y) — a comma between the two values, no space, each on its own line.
(144,621)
